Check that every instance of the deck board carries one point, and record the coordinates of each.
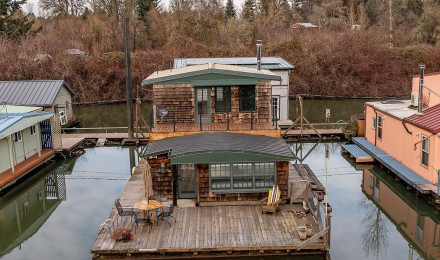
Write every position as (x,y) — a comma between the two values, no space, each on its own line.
(208,229)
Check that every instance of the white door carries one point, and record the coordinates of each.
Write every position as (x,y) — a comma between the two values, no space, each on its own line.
(275,108)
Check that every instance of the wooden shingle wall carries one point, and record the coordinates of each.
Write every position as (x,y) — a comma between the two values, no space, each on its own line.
(162,182)
(178,99)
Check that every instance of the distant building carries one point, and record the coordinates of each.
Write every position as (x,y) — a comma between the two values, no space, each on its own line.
(52,95)
(277,65)
(25,143)
(304,26)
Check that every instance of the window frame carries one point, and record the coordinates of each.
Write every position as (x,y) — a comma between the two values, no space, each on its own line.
(225,108)
(231,175)
(33,130)
(373,126)
(380,127)
(18,137)
(240,98)
(424,151)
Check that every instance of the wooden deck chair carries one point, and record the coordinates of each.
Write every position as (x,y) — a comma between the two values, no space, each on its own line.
(270,203)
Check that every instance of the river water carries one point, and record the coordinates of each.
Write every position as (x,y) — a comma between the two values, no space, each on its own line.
(55,213)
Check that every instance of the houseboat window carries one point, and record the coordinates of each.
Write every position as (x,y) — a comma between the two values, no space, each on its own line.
(425,150)
(242,177)
(374,123)
(379,127)
(33,130)
(220,176)
(18,137)
(420,228)
(222,99)
(247,98)
(371,182)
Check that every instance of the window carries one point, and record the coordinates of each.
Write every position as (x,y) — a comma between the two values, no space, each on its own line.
(18,137)
(275,108)
(242,177)
(379,127)
(63,118)
(247,98)
(374,123)
(33,130)
(425,150)
(420,228)
(371,182)
(222,99)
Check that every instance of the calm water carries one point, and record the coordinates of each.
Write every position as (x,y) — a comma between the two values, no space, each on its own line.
(57,212)
(114,115)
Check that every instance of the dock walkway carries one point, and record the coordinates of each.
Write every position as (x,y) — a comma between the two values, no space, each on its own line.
(355,151)
(409,176)
(213,230)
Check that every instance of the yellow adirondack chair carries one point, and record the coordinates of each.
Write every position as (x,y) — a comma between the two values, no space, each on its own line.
(270,203)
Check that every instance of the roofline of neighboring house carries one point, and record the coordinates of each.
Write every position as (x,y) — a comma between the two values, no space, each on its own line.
(292,67)
(165,78)
(427,74)
(402,120)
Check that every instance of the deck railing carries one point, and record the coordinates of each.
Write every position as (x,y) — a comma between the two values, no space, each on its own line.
(112,129)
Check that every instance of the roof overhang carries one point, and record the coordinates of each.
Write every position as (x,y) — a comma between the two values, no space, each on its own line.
(22,122)
(220,75)
(225,157)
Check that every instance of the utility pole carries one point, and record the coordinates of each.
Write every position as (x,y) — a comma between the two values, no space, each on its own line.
(128,78)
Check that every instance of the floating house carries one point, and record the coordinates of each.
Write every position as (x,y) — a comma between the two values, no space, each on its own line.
(25,143)
(52,95)
(280,88)
(404,136)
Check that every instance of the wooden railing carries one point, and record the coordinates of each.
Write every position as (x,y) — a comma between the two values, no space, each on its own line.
(114,129)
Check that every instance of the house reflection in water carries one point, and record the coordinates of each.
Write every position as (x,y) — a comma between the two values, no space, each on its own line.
(415,219)
(24,209)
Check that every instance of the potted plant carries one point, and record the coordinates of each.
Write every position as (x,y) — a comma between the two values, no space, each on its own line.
(302,232)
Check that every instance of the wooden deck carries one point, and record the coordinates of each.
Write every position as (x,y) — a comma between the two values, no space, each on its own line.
(70,143)
(8,178)
(216,230)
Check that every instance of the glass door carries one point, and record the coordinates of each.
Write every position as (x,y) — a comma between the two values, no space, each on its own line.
(203,105)
(187,186)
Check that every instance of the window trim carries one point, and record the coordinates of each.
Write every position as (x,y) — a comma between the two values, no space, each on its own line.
(239,99)
(373,125)
(380,127)
(230,100)
(16,135)
(33,130)
(422,150)
(242,190)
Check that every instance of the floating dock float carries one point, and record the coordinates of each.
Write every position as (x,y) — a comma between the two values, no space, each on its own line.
(356,152)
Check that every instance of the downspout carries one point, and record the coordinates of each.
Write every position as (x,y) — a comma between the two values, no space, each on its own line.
(406,128)
(375,128)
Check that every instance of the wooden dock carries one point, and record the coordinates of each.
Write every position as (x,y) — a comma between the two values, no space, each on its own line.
(8,178)
(356,152)
(212,231)
(70,140)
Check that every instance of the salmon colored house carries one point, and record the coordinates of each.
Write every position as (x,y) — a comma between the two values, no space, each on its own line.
(409,134)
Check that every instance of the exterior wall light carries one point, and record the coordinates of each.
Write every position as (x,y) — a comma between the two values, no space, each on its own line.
(162,167)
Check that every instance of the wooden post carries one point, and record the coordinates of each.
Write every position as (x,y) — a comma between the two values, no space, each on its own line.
(175,176)
(227,121)
(38,130)
(301,116)
(11,153)
(128,78)
(252,120)
(328,224)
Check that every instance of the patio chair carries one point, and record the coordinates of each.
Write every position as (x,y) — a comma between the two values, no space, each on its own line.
(270,203)
(167,214)
(139,219)
(122,212)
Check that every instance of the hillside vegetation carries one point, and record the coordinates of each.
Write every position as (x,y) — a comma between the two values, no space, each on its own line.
(376,60)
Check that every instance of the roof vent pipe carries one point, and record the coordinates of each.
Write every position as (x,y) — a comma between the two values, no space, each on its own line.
(259,44)
(420,105)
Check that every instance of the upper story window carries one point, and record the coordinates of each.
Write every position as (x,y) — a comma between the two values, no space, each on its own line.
(373,125)
(247,98)
(33,130)
(425,151)
(379,127)
(18,137)
(222,99)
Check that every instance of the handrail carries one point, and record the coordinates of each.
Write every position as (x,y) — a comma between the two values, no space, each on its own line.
(78,129)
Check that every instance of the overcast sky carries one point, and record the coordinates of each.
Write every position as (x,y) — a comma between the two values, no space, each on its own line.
(33,4)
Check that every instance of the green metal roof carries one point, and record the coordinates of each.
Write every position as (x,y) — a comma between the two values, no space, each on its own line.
(212,75)
(221,147)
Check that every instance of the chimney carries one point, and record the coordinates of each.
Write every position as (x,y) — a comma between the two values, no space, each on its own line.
(259,44)
(420,105)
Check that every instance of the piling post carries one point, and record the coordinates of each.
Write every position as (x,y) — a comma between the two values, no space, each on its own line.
(128,78)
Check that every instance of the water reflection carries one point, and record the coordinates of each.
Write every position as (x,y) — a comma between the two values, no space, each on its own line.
(27,207)
(414,218)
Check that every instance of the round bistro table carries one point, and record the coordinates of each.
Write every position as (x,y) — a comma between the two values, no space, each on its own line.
(146,206)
